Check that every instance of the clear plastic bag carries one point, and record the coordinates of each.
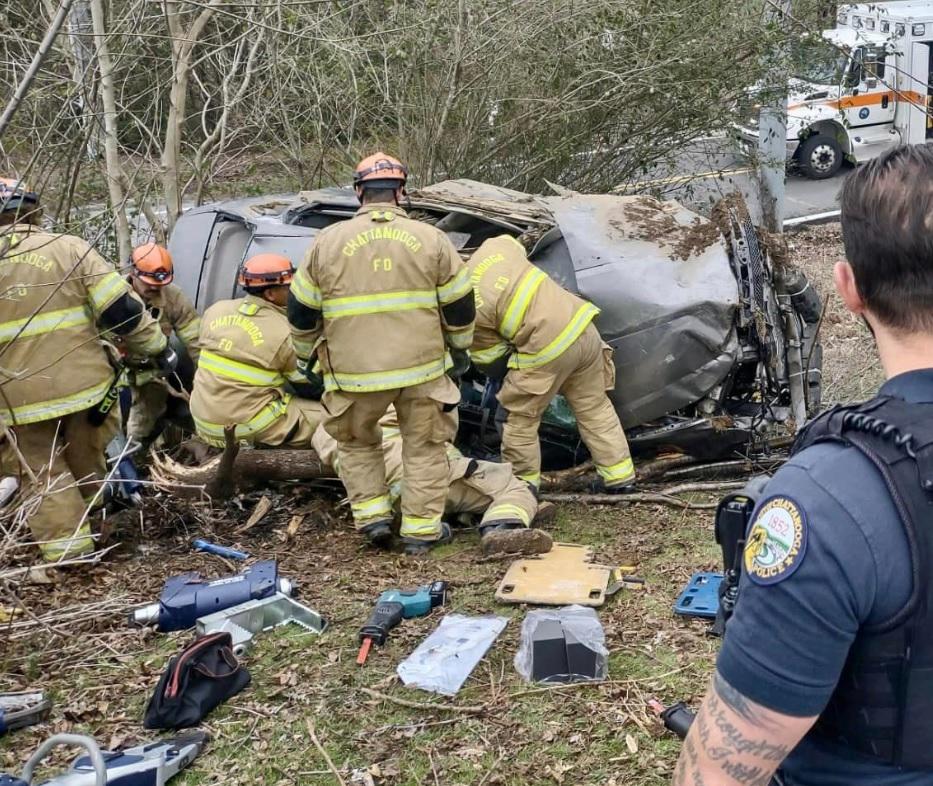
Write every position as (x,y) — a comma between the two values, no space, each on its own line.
(444,660)
(580,625)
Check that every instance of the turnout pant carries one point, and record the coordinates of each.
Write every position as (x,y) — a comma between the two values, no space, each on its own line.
(488,489)
(149,404)
(295,428)
(582,374)
(427,420)
(481,488)
(67,455)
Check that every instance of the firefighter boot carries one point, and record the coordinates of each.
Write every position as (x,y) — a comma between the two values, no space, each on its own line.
(600,487)
(378,533)
(512,537)
(415,547)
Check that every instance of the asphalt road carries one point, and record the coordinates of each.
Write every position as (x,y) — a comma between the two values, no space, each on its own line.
(712,168)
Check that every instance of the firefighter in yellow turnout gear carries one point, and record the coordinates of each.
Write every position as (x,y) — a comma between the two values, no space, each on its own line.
(58,295)
(380,299)
(541,338)
(247,367)
(483,488)
(151,278)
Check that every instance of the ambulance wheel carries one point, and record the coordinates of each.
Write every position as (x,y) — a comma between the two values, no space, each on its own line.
(819,157)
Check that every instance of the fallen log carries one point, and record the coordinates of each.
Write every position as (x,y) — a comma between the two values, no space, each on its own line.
(234,471)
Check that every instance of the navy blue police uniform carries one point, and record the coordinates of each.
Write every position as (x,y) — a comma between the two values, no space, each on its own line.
(827,558)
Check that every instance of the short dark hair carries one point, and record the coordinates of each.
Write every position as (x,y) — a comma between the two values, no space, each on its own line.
(887,230)
(26,214)
(378,195)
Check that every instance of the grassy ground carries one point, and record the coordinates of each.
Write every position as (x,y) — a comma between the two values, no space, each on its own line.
(498,730)
(101,678)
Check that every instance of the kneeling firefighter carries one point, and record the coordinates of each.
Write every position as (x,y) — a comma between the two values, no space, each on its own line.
(151,275)
(247,373)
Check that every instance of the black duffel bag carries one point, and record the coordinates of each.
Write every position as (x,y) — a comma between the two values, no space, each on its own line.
(199,678)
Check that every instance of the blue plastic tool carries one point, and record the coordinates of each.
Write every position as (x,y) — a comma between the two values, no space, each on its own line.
(220,551)
(700,597)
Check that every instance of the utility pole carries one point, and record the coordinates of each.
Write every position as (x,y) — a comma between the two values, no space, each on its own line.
(772,127)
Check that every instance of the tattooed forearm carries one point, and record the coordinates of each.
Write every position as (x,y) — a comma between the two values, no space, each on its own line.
(735,742)
(732,740)
(741,706)
(688,770)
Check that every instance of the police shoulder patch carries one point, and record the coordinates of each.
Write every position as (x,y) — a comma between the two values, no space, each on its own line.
(777,541)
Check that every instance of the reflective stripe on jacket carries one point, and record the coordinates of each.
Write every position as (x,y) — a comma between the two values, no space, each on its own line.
(55,288)
(380,284)
(520,309)
(246,358)
(176,314)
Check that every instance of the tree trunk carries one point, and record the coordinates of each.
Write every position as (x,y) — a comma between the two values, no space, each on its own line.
(116,180)
(236,470)
(81,35)
(183,44)
(23,87)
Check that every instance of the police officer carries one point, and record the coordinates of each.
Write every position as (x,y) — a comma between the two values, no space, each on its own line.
(56,378)
(826,670)
(380,299)
(248,373)
(151,278)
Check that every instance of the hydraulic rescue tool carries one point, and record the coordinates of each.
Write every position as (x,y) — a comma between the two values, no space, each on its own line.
(395,605)
(153,763)
(187,596)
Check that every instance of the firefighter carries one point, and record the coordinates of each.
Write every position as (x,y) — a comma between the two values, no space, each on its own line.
(151,277)
(542,340)
(477,488)
(380,299)
(56,378)
(247,372)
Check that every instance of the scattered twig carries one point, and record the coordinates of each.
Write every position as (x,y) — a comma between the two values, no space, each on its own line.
(90,559)
(492,769)
(627,499)
(476,709)
(317,744)
(689,488)
(262,508)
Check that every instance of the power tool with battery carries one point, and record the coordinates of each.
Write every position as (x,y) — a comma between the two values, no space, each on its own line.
(395,605)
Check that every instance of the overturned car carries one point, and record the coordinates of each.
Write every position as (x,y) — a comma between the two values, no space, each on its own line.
(716,345)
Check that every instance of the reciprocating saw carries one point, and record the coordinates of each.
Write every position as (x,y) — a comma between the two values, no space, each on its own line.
(395,605)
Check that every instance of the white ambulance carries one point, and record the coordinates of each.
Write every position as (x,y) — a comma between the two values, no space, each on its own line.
(862,88)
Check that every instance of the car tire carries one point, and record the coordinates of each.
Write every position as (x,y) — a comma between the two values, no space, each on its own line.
(819,157)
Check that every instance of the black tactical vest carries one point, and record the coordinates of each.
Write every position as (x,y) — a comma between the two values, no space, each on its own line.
(883,703)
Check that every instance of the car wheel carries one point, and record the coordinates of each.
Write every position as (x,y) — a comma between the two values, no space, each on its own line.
(820,157)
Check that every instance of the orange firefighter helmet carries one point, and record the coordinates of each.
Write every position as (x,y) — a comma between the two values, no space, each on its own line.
(266,270)
(152,263)
(380,170)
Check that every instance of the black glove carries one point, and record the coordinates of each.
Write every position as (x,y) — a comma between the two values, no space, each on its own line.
(497,369)
(167,360)
(461,360)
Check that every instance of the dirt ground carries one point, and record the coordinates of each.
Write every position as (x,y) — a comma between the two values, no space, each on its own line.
(75,645)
